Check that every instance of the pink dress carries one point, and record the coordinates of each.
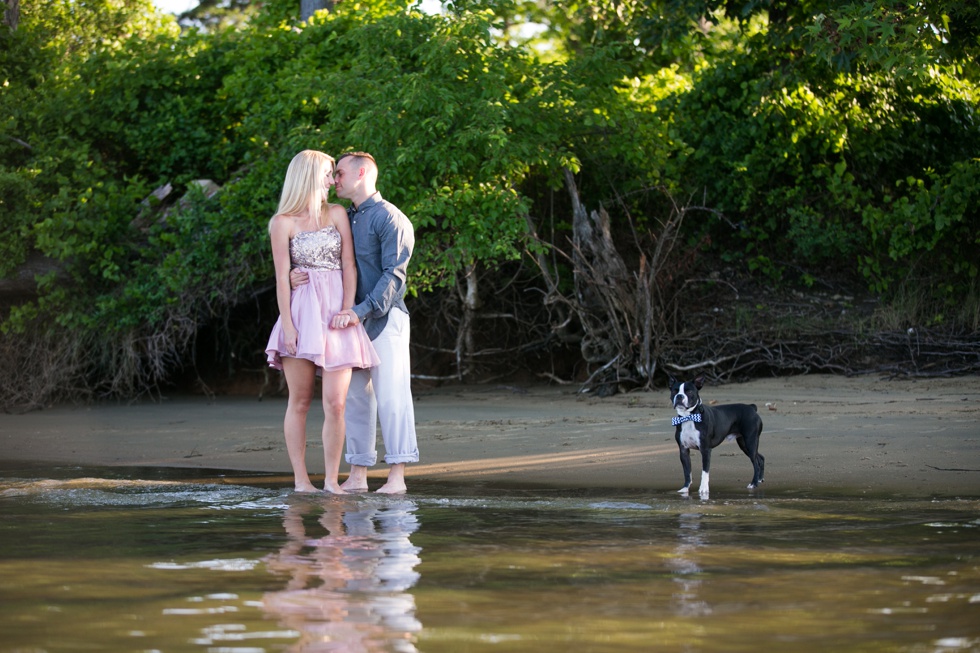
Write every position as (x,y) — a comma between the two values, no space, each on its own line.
(312,306)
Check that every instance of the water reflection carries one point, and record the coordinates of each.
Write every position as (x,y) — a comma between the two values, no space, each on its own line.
(684,564)
(349,564)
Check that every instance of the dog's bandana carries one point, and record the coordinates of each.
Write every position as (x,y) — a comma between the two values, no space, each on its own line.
(694,417)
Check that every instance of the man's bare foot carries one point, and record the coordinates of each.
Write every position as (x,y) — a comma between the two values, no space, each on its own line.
(356,480)
(392,487)
(353,488)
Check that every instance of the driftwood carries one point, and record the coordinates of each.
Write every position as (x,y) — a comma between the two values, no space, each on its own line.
(725,357)
(634,329)
(21,284)
(625,314)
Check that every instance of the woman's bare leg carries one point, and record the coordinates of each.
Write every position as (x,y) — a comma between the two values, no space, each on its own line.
(334,401)
(300,378)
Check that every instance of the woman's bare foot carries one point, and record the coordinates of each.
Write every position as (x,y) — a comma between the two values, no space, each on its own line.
(305,488)
(333,488)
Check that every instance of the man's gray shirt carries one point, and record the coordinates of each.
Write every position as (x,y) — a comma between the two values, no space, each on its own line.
(383,242)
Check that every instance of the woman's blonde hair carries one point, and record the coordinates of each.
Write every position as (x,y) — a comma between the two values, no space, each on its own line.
(303,191)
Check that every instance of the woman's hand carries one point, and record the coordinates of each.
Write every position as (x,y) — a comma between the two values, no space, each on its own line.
(290,337)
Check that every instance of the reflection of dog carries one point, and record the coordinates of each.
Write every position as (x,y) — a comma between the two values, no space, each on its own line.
(705,427)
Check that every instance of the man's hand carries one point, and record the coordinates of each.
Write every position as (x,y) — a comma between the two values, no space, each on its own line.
(344,319)
(297,278)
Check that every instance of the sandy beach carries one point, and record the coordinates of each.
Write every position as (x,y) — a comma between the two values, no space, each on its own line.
(822,434)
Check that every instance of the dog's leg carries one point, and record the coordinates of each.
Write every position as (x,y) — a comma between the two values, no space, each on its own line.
(703,488)
(750,447)
(686,464)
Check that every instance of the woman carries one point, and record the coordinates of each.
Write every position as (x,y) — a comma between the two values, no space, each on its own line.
(311,338)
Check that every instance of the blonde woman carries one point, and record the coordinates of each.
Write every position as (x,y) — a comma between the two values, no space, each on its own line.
(313,337)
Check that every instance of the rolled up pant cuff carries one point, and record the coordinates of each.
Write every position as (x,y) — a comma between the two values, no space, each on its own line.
(394,459)
(362,459)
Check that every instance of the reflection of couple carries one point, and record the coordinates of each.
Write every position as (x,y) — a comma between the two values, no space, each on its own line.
(347,590)
(340,285)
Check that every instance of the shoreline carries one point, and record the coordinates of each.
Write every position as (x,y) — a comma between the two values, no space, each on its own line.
(822,433)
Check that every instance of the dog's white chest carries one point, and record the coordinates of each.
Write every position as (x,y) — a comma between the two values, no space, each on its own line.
(690,438)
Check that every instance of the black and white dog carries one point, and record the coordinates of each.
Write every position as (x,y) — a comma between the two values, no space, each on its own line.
(705,427)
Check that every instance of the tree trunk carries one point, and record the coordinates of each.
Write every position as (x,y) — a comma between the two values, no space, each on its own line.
(465,344)
(309,7)
(11,15)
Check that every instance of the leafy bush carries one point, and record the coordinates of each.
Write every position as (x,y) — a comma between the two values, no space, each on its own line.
(860,169)
(863,174)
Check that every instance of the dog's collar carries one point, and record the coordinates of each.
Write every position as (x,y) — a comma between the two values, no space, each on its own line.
(693,417)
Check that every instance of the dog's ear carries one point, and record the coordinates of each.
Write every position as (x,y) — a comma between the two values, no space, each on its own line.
(671,383)
(699,382)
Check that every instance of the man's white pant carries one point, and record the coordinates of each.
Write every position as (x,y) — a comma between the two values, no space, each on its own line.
(385,392)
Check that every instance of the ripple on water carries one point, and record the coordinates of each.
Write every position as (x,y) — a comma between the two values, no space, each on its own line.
(217,565)
(619,505)
(234,564)
(89,491)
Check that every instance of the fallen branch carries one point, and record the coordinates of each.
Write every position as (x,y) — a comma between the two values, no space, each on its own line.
(708,363)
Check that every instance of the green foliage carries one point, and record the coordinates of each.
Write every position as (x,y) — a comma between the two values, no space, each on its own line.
(833,136)
(455,120)
(160,113)
(814,166)
(222,14)
(15,218)
(924,217)
(452,118)
(906,38)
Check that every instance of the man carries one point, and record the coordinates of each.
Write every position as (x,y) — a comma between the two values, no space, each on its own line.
(383,241)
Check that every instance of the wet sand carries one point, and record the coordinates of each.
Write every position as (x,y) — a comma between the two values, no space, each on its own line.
(827,434)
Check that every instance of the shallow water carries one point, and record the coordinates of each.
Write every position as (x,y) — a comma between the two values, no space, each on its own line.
(151,560)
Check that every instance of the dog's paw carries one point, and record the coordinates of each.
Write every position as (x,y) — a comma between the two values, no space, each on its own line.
(684,491)
(751,486)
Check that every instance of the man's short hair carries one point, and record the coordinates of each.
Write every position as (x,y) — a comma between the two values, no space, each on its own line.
(359,158)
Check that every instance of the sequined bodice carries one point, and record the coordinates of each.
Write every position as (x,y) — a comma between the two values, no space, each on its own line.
(316,250)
